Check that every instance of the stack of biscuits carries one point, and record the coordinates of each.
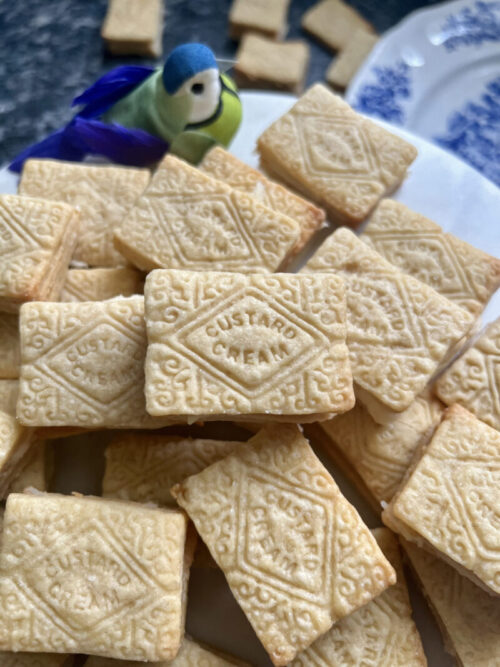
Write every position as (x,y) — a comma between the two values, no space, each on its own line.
(158,314)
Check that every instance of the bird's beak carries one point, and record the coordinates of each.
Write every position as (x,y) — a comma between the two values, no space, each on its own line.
(225,64)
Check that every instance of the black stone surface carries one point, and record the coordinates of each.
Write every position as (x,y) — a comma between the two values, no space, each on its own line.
(50,50)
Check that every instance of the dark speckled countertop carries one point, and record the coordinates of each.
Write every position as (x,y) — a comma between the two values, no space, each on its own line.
(50,50)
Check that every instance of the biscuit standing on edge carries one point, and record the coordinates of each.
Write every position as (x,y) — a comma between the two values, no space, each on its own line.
(103,194)
(9,345)
(334,156)
(83,365)
(134,27)
(349,60)
(226,345)
(468,617)
(220,164)
(143,467)
(472,380)
(295,553)
(334,23)
(188,220)
(382,633)
(449,502)
(9,390)
(33,474)
(265,63)
(15,444)
(101,284)
(398,329)
(267,17)
(95,576)
(418,246)
(380,454)
(38,239)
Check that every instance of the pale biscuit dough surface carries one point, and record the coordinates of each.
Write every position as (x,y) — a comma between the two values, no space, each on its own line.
(418,246)
(15,444)
(473,380)
(468,617)
(33,473)
(38,239)
(220,164)
(103,194)
(188,220)
(398,329)
(450,501)
(334,23)
(101,284)
(9,345)
(290,545)
(134,27)
(96,576)
(265,63)
(380,634)
(224,345)
(267,17)
(83,365)
(143,467)
(348,61)
(333,155)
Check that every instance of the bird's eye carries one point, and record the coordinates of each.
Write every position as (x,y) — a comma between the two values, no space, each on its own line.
(197,88)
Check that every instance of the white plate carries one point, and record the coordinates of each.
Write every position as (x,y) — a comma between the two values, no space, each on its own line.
(438,186)
(437,73)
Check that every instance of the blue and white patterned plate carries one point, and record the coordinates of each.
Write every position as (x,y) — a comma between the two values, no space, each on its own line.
(437,73)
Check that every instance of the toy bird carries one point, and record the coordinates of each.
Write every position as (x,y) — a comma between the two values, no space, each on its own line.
(134,115)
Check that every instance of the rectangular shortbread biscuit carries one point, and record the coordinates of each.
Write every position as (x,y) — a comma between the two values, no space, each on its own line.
(334,23)
(333,155)
(270,347)
(103,194)
(86,575)
(382,633)
(398,328)
(134,27)
(15,444)
(418,246)
(222,165)
(267,17)
(348,61)
(381,454)
(9,345)
(188,220)
(467,616)
(38,239)
(143,467)
(473,381)
(83,365)
(264,63)
(101,284)
(285,537)
(449,502)
(9,390)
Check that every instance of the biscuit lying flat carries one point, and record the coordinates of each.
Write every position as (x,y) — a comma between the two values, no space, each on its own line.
(286,539)
(103,195)
(188,220)
(86,562)
(466,275)
(349,60)
(227,345)
(222,165)
(143,467)
(9,345)
(101,284)
(38,239)
(473,380)
(337,158)
(15,444)
(398,329)
(450,502)
(83,365)
(265,63)
(267,17)
(380,634)
(191,654)
(334,23)
(468,617)
(381,454)
(134,27)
